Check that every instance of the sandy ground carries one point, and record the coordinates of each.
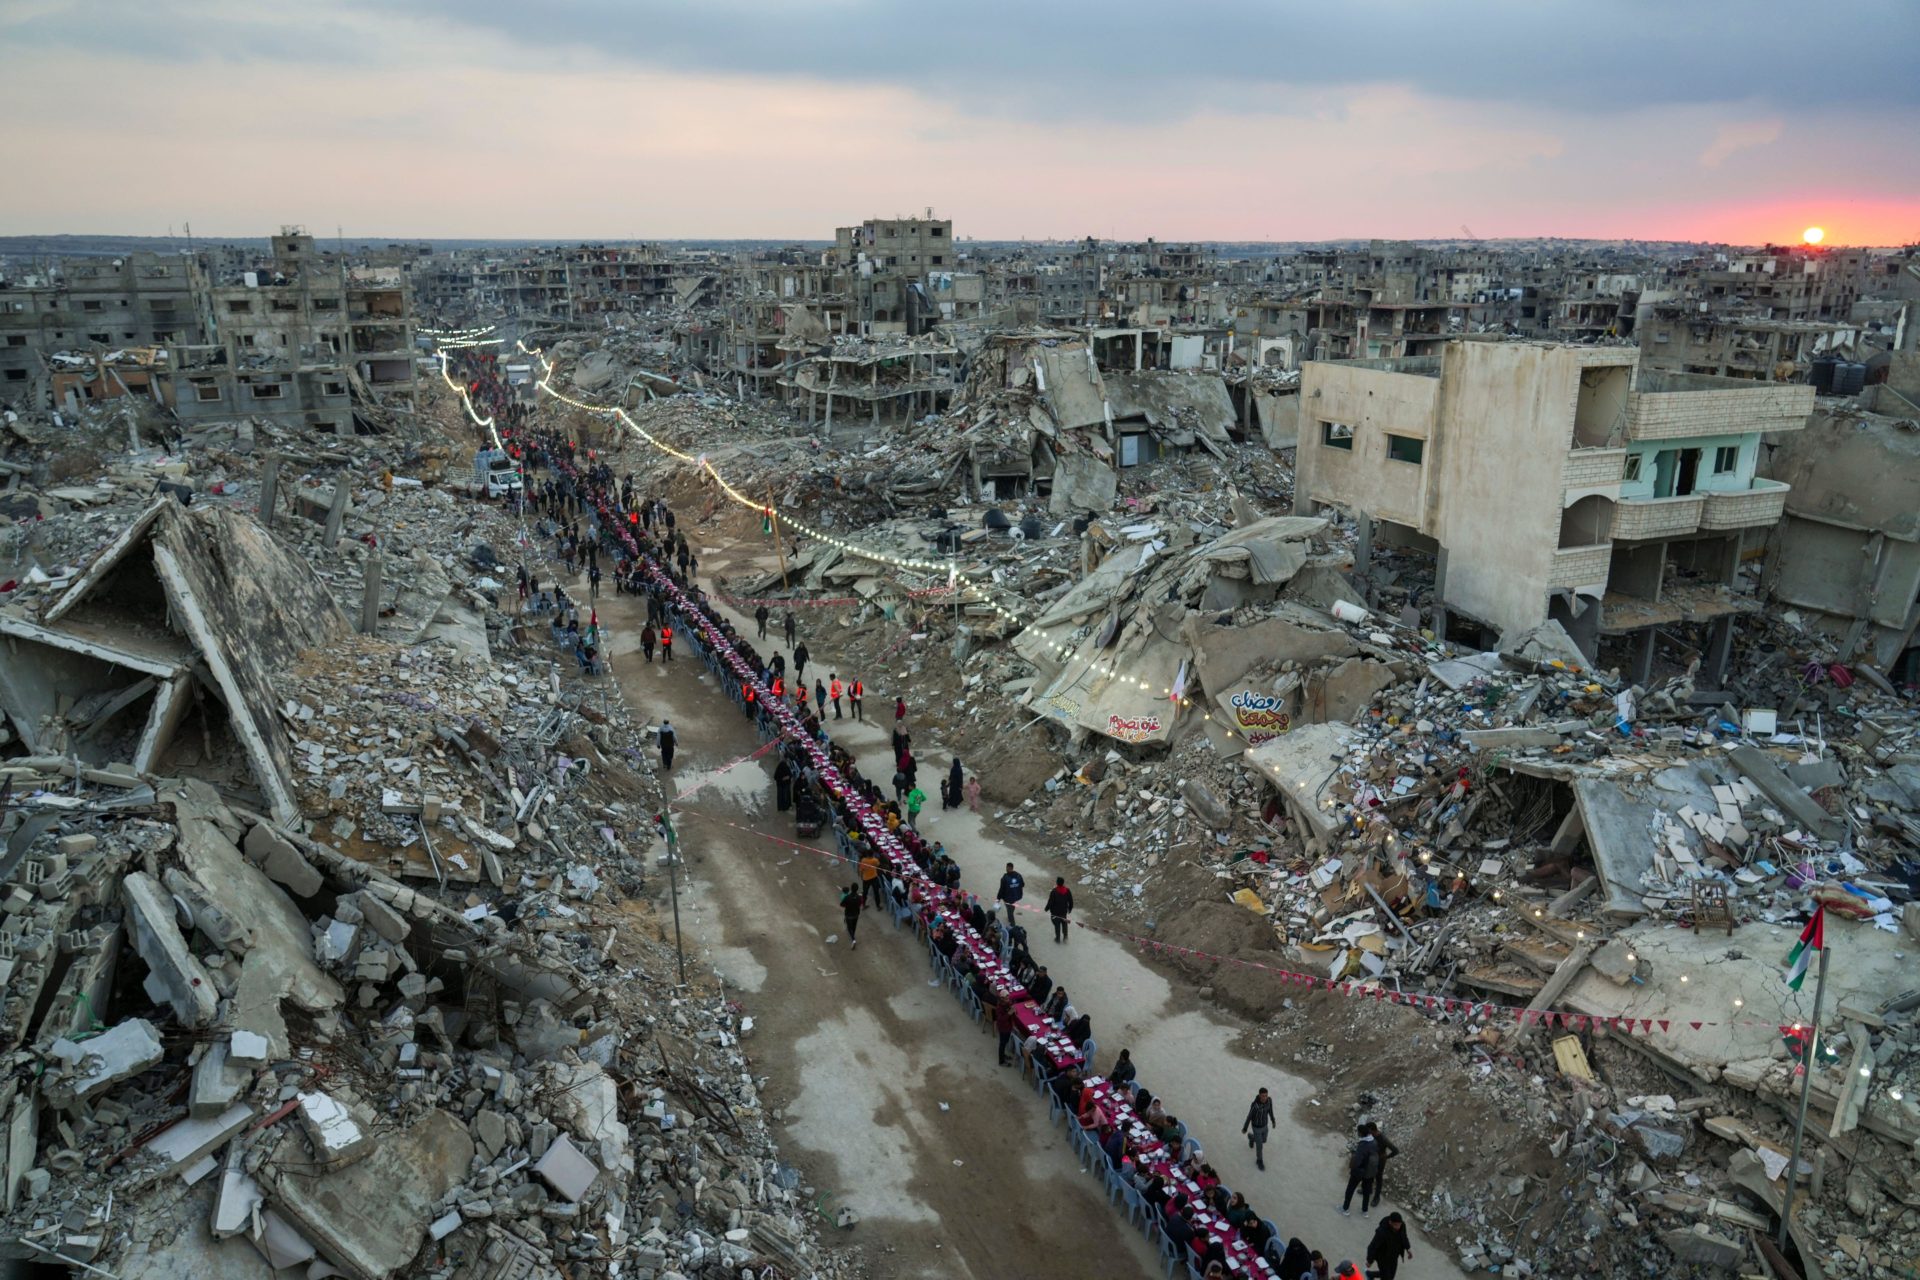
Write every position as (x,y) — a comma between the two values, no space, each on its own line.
(863,1052)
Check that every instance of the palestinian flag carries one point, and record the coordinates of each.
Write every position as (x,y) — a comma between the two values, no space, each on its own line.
(1812,939)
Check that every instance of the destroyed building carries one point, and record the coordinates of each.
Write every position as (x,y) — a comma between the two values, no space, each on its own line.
(1847,552)
(70,335)
(1551,482)
(302,341)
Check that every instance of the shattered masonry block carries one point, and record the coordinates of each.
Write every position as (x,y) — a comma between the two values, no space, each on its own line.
(249,1048)
(566,1169)
(116,1054)
(337,1137)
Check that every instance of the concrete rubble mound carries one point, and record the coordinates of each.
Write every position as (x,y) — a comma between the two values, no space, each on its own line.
(327,940)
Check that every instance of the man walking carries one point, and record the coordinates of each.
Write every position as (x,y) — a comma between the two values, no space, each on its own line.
(1059,907)
(800,662)
(666,644)
(1363,1166)
(1257,1125)
(668,742)
(870,877)
(850,904)
(791,628)
(834,690)
(760,616)
(1388,1246)
(857,692)
(1011,887)
(646,641)
(819,696)
(916,801)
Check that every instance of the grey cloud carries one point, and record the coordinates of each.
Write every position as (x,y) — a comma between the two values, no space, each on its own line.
(1120,58)
(993,55)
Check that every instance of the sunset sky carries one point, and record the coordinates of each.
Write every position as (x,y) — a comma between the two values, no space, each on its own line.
(1222,120)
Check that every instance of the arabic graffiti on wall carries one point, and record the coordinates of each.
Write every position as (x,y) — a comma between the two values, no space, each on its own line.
(1133,728)
(1259,717)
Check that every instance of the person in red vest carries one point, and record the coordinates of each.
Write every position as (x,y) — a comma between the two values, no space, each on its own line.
(834,689)
(854,695)
(666,643)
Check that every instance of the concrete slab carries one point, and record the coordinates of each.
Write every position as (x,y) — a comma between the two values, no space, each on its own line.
(194,1137)
(151,923)
(1298,764)
(1761,770)
(1618,830)
(279,962)
(369,1219)
(233,1209)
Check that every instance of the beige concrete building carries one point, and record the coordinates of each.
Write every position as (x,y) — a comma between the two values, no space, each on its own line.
(1551,481)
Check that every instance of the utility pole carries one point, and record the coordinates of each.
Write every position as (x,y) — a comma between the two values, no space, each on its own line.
(780,547)
(1806,1081)
(673,886)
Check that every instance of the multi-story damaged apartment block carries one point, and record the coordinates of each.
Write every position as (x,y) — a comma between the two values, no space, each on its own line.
(299,338)
(896,267)
(95,329)
(1552,481)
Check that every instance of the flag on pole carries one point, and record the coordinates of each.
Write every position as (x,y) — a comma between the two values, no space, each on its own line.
(1812,939)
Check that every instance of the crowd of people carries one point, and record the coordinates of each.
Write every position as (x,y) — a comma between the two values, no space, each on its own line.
(590,513)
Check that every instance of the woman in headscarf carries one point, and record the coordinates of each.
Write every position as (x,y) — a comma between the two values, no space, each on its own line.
(1296,1262)
(956,780)
(783,784)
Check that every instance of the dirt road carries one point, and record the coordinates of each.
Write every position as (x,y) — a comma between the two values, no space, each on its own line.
(986,1188)
(891,1100)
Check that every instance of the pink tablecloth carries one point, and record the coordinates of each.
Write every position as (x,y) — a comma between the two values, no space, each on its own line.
(1151,1156)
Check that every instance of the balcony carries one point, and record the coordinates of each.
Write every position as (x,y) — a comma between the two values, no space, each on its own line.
(1593,468)
(1762,504)
(1643,518)
(1581,566)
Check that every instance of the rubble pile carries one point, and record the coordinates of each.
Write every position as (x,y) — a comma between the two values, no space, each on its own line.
(1492,839)
(334,951)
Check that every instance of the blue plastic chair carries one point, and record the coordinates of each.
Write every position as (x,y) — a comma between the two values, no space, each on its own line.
(1170,1253)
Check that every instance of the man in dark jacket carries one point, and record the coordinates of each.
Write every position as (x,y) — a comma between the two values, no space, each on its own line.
(1059,907)
(1363,1166)
(1041,987)
(1257,1125)
(850,904)
(1011,887)
(760,616)
(1388,1246)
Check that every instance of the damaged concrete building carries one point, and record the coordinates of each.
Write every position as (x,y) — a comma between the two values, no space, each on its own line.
(1847,553)
(303,339)
(1551,481)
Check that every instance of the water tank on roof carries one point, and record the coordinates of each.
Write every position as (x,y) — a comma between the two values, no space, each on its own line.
(1849,377)
(1821,374)
(995,518)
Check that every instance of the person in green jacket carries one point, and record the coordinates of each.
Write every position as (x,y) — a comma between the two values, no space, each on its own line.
(916,801)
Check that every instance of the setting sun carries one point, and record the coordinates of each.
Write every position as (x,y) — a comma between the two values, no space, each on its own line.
(1814,235)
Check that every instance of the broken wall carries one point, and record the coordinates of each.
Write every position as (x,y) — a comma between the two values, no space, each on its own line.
(252,608)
